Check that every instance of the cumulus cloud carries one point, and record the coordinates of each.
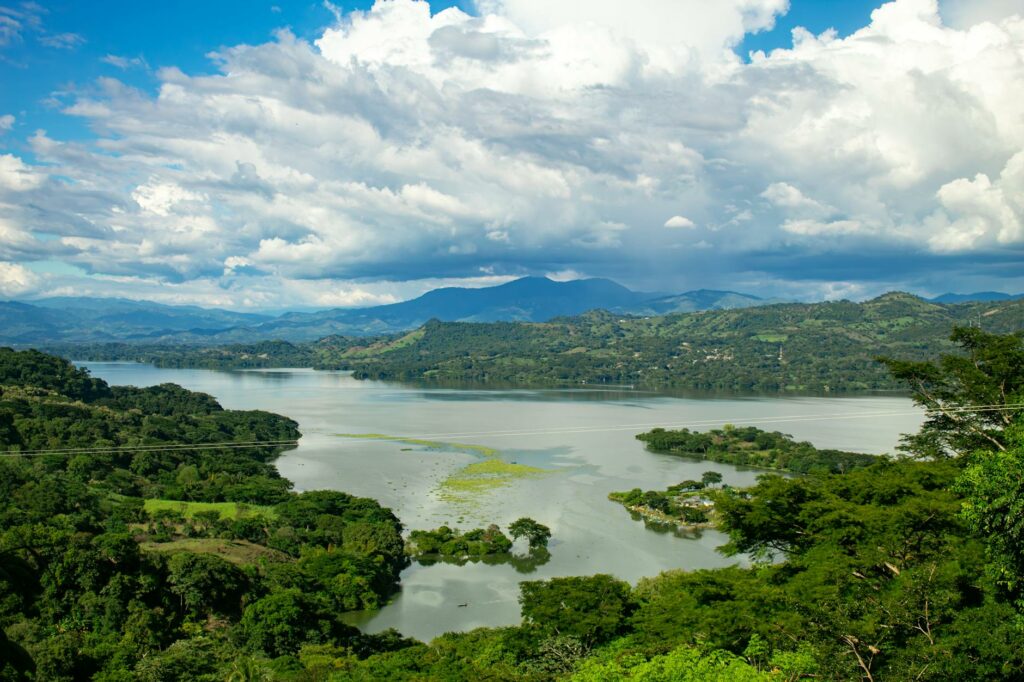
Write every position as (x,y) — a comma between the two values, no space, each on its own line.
(352,298)
(678,221)
(16,279)
(405,145)
(980,212)
(6,122)
(161,197)
(967,13)
(15,175)
(786,196)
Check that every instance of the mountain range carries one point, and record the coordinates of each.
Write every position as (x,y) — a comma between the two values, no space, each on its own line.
(529,299)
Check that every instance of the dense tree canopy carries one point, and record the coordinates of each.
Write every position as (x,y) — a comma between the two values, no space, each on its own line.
(894,569)
(97,583)
(971,398)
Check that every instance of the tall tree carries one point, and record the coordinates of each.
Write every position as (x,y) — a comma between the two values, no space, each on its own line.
(970,398)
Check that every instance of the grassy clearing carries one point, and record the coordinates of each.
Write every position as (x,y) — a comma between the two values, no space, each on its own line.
(239,552)
(228,510)
(381,348)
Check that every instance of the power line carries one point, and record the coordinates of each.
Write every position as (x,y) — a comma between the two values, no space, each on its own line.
(165,446)
(711,422)
(172,447)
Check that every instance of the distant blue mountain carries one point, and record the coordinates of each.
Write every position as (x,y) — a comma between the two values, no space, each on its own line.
(83,319)
(529,299)
(980,296)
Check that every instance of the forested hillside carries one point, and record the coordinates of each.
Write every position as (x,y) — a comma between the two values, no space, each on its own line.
(829,346)
(903,569)
(820,346)
(127,554)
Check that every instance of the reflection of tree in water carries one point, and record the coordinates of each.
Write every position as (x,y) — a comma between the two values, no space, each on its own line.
(523,563)
(663,528)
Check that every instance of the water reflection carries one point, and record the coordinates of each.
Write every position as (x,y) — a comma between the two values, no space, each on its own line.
(522,563)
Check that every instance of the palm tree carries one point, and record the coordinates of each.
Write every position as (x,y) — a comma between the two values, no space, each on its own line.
(249,670)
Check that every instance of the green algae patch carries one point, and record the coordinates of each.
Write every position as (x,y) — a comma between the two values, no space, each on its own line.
(465,486)
(472,482)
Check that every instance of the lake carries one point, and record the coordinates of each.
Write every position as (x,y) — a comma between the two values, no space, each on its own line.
(558,454)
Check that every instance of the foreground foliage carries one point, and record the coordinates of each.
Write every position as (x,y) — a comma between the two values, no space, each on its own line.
(95,586)
(902,569)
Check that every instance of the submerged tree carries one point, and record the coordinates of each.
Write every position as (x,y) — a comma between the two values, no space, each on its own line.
(537,534)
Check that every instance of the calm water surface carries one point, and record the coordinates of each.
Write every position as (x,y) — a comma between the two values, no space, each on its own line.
(583,439)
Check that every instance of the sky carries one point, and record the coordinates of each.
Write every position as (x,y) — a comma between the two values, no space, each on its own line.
(272,155)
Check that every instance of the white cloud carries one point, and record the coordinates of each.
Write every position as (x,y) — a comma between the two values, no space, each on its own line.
(666,30)
(16,175)
(124,63)
(535,137)
(968,13)
(62,41)
(787,196)
(161,197)
(353,298)
(980,212)
(16,280)
(678,221)
(6,122)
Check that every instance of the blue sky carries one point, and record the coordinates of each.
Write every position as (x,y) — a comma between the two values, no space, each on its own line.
(165,34)
(362,158)
(182,34)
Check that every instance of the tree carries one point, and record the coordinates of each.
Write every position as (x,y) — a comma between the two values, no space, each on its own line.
(537,534)
(206,584)
(970,398)
(993,487)
(710,478)
(283,621)
(593,608)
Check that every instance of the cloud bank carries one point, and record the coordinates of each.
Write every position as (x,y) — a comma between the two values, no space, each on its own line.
(404,148)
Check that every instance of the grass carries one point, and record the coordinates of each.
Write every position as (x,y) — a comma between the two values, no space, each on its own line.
(239,552)
(228,510)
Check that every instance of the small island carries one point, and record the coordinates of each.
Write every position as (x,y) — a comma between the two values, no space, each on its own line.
(686,504)
(752,447)
(489,545)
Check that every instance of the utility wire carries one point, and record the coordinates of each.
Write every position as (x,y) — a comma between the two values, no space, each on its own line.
(171,447)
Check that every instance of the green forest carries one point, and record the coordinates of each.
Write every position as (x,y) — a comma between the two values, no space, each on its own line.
(830,346)
(750,446)
(135,567)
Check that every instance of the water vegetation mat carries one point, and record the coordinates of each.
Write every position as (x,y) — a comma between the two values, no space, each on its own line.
(467,486)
